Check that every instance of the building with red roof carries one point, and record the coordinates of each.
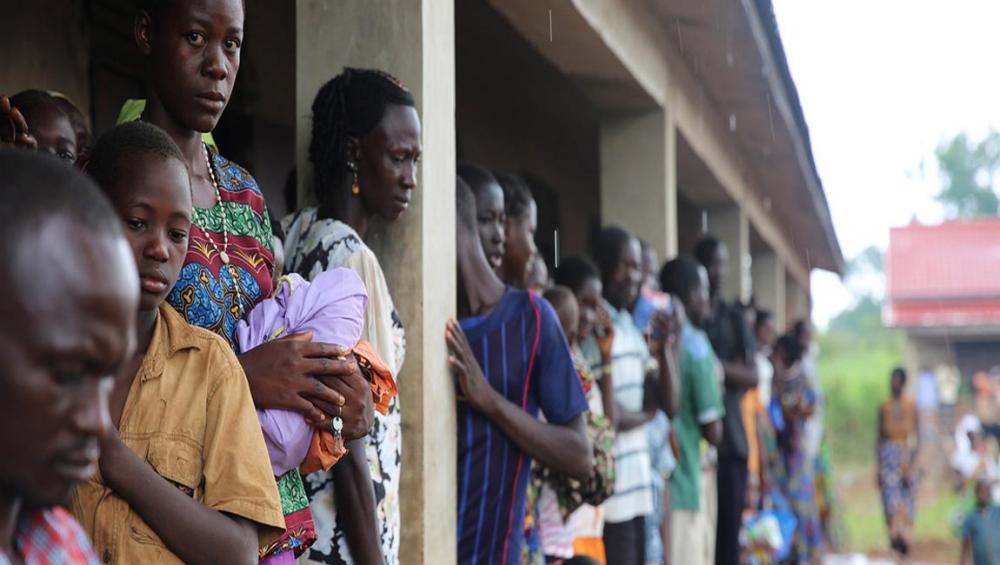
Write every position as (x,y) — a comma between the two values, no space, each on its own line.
(943,288)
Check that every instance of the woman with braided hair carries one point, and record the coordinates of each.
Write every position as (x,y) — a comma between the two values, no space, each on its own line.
(365,150)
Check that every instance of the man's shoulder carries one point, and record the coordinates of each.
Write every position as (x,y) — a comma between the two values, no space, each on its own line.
(694,342)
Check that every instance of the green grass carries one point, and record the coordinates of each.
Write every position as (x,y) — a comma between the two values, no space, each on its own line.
(864,523)
(855,374)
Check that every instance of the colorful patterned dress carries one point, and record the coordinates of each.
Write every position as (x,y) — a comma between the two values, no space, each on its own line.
(895,453)
(209,296)
(798,397)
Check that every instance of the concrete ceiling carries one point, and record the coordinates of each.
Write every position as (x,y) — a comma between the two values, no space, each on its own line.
(560,34)
(695,181)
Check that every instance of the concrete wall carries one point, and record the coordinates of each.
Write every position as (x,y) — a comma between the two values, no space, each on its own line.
(797,302)
(768,274)
(517,113)
(731,226)
(689,225)
(926,351)
(267,84)
(45,45)
(639,177)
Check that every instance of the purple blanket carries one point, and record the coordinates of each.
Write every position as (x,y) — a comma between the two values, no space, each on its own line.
(332,306)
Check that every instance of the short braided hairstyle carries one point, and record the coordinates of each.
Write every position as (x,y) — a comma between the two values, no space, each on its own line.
(350,105)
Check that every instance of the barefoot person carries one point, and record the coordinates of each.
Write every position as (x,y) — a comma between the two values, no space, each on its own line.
(898,445)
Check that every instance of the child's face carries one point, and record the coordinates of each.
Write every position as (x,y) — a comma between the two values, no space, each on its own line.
(984,494)
(569,317)
(589,303)
(53,131)
(153,198)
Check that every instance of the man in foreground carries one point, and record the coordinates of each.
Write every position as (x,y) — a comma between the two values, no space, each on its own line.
(71,293)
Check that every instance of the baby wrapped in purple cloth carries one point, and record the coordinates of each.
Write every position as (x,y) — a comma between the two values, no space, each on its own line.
(332,307)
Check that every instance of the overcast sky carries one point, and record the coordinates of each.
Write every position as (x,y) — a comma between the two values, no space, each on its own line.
(882,83)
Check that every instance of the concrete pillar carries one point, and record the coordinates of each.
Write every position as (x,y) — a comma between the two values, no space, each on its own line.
(639,177)
(768,275)
(414,40)
(731,226)
(797,303)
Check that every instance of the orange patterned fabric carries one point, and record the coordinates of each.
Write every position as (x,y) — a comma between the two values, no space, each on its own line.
(383,384)
(326,449)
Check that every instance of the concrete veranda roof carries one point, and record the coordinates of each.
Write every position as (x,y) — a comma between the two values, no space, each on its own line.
(734,49)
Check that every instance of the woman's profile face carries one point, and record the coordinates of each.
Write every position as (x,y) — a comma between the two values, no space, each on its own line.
(520,245)
(490,222)
(387,160)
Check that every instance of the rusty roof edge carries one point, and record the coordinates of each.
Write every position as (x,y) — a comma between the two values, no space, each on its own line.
(765,30)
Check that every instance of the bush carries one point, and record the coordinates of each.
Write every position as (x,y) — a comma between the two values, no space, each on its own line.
(855,374)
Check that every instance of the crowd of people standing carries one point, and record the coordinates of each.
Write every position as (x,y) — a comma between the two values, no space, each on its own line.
(206,383)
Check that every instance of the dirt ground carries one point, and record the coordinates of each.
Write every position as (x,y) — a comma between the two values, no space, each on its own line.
(862,522)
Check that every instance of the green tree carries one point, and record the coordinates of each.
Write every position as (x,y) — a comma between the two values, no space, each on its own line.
(864,275)
(967,171)
(869,261)
(863,318)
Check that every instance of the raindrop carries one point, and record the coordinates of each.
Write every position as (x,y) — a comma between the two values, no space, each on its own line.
(732,121)
(701,110)
(767,203)
(680,38)
(555,246)
(550,25)
(770,117)
(704,221)
(730,60)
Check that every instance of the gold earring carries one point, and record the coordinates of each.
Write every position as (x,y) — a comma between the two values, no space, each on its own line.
(356,187)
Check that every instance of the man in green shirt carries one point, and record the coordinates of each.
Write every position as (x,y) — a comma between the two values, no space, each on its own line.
(699,417)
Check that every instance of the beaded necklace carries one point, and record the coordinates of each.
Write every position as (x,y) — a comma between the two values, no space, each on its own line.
(225,233)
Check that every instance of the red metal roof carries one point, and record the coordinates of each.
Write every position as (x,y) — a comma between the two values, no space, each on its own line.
(945,275)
